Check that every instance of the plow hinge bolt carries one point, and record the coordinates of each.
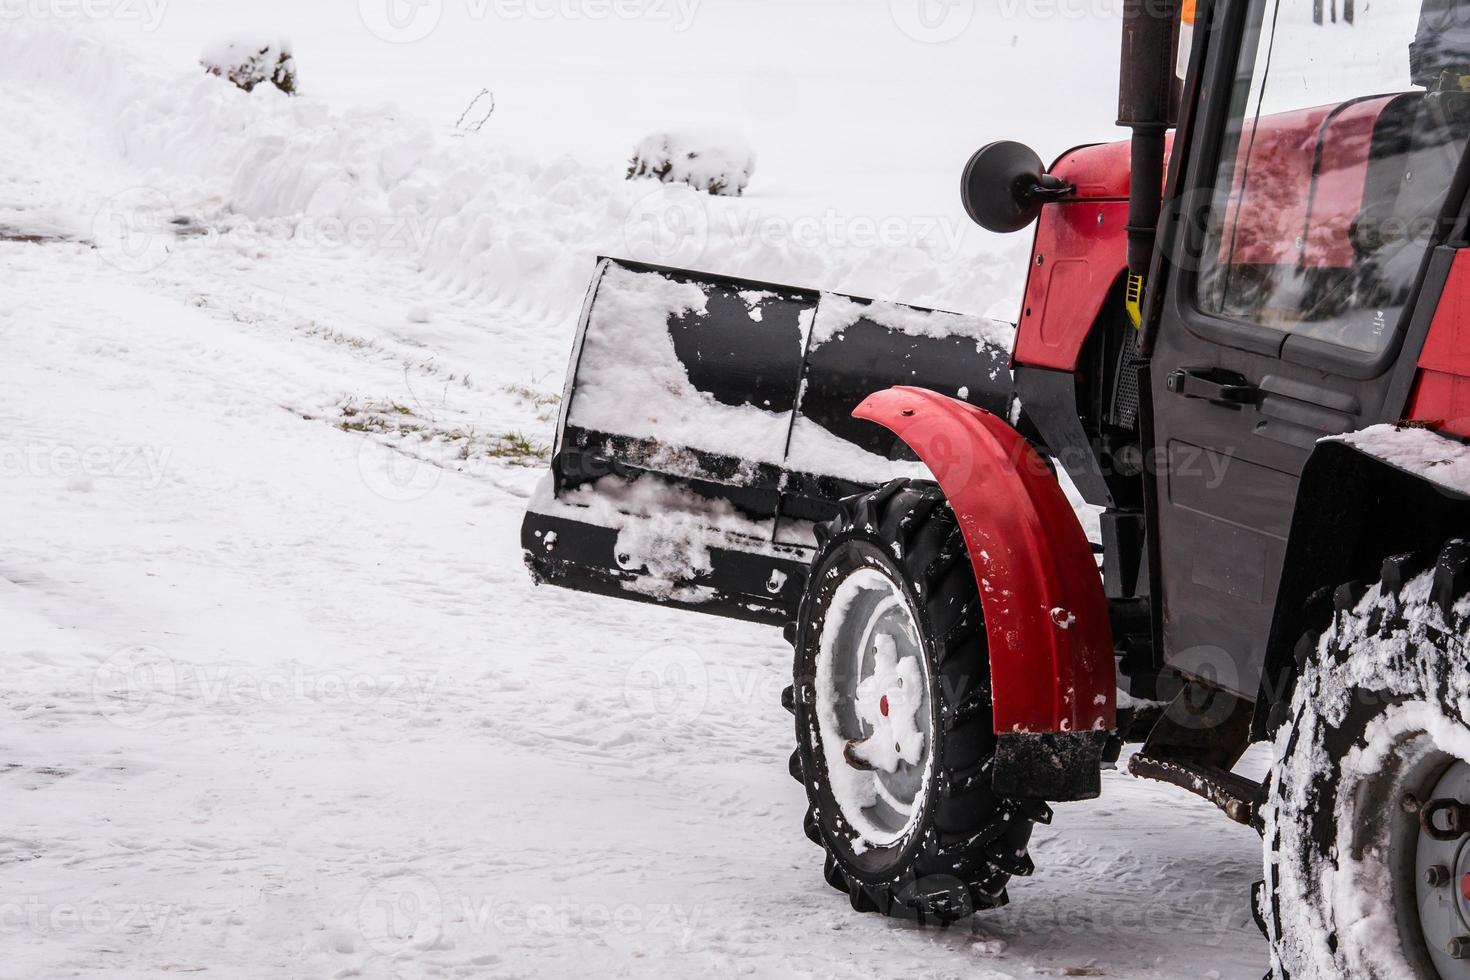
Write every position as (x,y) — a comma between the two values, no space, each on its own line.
(1459,947)
(1436,876)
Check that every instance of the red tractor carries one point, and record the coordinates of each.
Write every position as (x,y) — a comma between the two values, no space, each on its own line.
(1245,339)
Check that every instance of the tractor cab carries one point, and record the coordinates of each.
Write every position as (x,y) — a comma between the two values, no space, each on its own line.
(1310,207)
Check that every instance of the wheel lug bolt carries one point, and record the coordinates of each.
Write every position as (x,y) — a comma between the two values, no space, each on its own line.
(1437,876)
(1459,947)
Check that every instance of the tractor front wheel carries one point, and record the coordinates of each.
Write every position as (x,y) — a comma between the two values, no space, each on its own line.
(893,715)
(1367,827)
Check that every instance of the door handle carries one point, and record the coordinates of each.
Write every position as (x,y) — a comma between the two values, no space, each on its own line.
(1214,385)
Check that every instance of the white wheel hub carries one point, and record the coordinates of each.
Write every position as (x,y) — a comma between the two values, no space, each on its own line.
(888,701)
(873,700)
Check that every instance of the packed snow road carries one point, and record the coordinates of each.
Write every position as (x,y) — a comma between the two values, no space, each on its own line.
(280,699)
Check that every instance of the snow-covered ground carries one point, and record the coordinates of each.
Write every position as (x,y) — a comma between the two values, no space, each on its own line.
(280,698)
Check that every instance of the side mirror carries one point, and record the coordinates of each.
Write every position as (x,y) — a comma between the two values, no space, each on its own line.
(1005,185)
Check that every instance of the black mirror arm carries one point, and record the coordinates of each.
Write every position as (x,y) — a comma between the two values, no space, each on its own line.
(1047,189)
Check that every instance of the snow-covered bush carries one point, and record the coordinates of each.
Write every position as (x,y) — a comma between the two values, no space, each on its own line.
(251,60)
(716,163)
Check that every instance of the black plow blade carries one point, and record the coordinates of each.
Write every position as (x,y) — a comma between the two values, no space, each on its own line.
(707,428)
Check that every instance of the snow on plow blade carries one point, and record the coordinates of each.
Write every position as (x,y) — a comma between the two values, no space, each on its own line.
(707,426)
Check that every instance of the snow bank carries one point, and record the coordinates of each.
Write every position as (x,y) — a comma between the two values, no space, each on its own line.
(715,163)
(480,218)
(251,61)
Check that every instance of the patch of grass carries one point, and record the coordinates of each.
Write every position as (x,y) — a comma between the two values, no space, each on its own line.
(365,423)
(517,448)
(543,404)
(396,420)
(378,417)
(337,337)
(528,394)
(512,447)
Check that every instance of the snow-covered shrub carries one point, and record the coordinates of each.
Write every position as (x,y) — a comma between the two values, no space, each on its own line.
(249,61)
(716,163)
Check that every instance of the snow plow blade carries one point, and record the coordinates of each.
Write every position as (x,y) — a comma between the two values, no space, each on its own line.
(706,428)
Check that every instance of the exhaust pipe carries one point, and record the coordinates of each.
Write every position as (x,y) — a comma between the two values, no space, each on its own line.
(1146,106)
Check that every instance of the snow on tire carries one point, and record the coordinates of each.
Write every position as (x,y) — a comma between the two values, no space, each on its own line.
(893,715)
(1378,733)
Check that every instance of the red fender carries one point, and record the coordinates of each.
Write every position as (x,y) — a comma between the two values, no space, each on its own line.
(1051,643)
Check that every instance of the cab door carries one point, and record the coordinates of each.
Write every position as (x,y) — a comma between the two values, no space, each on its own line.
(1319,164)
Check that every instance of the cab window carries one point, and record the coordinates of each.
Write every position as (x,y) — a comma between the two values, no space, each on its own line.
(1340,148)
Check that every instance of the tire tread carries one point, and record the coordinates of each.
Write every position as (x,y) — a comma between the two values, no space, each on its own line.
(977,841)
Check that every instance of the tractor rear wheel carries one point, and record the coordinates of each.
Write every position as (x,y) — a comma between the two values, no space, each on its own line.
(893,715)
(1367,853)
